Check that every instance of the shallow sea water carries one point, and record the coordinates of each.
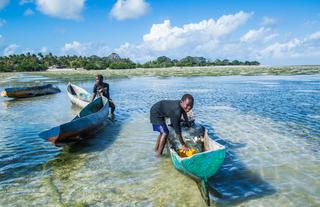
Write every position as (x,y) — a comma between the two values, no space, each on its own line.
(269,124)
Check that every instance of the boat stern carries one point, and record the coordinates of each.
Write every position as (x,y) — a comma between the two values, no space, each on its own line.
(4,94)
(51,135)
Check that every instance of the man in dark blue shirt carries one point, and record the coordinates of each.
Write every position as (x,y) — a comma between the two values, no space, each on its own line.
(172,109)
(101,88)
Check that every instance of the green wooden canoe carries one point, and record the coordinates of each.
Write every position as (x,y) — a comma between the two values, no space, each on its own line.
(90,119)
(201,166)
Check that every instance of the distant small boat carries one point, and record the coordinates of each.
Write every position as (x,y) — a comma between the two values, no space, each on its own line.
(78,95)
(90,119)
(202,165)
(26,92)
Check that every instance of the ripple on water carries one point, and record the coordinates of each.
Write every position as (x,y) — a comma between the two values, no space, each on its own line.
(271,135)
(268,162)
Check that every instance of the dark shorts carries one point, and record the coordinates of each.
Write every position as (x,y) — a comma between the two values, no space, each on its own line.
(162,128)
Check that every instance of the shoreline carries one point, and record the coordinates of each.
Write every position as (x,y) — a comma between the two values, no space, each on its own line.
(67,73)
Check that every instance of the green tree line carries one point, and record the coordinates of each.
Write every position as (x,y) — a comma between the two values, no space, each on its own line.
(41,62)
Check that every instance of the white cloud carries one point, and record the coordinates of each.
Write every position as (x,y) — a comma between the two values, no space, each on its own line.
(1,40)
(65,9)
(43,50)
(85,49)
(75,47)
(28,12)
(296,48)
(311,23)
(262,34)
(205,28)
(268,21)
(4,3)
(163,36)
(26,50)
(10,50)
(314,36)
(280,50)
(2,22)
(293,51)
(129,9)
(202,38)
(17,49)
(218,39)
(138,53)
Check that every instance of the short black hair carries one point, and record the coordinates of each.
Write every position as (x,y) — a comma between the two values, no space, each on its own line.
(100,77)
(188,96)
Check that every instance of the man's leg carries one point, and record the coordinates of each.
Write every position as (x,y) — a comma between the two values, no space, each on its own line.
(112,106)
(162,143)
(157,143)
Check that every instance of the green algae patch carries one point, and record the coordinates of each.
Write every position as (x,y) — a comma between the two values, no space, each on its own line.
(55,195)
(61,170)
(6,75)
(183,72)
(78,204)
(68,161)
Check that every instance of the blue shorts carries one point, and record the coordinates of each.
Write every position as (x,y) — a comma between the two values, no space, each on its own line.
(162,128)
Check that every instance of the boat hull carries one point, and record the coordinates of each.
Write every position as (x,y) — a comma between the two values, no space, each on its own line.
(86,123)
(78,96)
(26,92)
(201,166)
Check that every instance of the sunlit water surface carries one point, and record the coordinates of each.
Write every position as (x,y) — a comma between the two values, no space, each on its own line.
(270,126)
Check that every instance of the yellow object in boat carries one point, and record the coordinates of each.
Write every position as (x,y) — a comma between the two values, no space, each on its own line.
(3,93)
(187,153)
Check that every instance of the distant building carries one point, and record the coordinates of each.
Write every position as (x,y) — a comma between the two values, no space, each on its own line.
(57,67)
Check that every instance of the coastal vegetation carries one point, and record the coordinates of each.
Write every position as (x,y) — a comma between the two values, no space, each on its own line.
(41,62)
(84,67)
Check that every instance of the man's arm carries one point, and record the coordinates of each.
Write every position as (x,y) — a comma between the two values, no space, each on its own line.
(105,90)
(93,96)
(184,146)
(177,128)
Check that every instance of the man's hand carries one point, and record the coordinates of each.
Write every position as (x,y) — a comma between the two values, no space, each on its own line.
(102,90)
(184,147)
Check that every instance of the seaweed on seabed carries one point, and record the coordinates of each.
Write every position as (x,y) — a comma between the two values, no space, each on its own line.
(61,169)
(55,194)
(78,204)
(65,163)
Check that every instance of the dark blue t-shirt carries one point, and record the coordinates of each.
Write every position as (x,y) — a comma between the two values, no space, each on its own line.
(167,108)
(105,93)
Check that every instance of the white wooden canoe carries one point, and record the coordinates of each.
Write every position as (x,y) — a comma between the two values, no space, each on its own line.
(78,95)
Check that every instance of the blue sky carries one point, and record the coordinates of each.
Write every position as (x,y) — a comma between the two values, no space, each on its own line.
(272,32)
